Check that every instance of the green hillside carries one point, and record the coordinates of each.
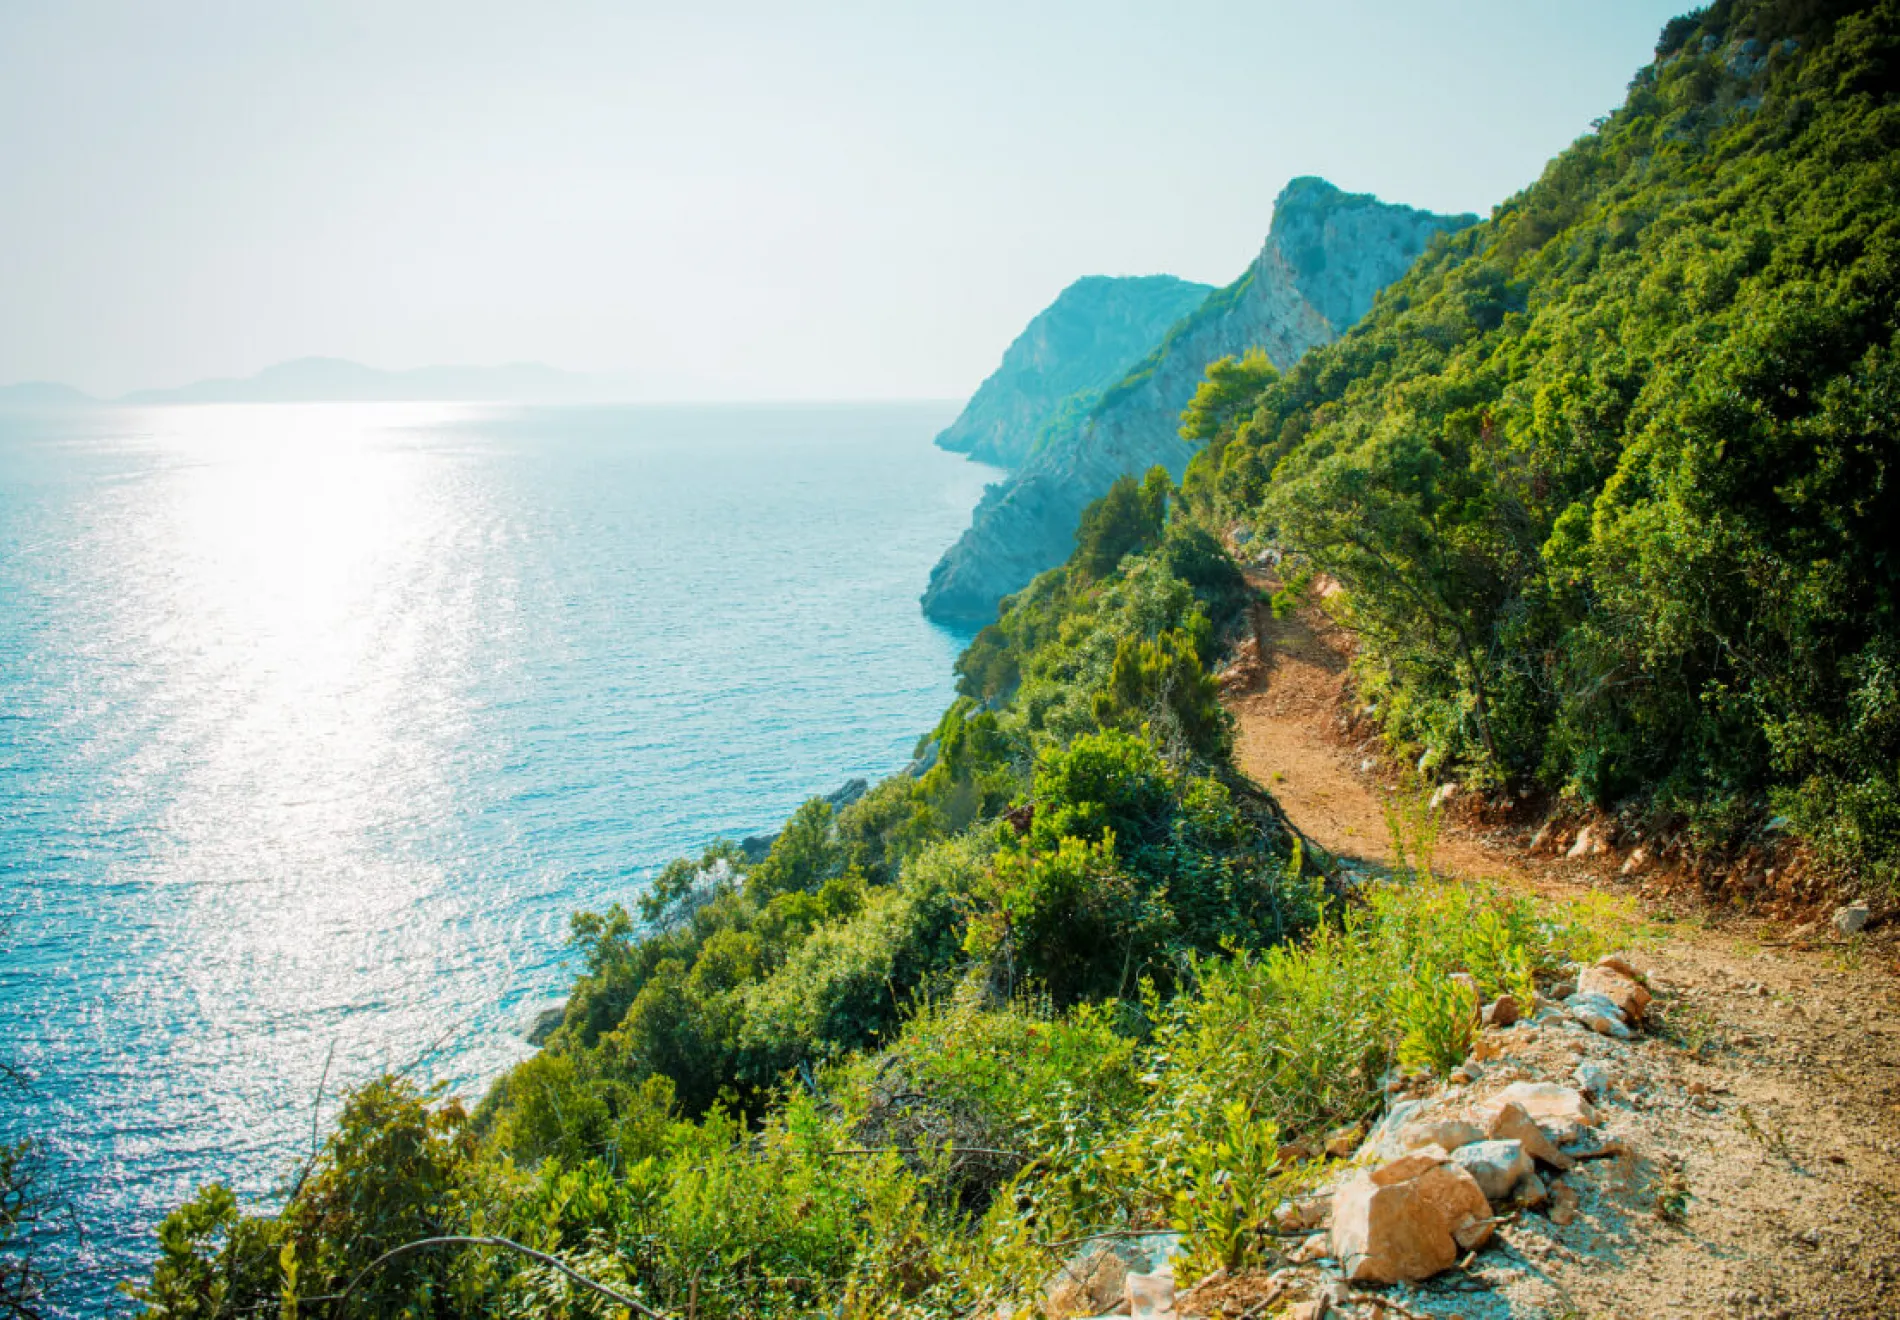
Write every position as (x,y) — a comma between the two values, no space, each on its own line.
(1610,478)
(1607,483)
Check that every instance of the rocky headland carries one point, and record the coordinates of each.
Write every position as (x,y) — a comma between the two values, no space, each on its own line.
(1076,347)
(1327,255)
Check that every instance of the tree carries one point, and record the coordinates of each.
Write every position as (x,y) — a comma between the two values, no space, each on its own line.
(1128,519)
(803,856)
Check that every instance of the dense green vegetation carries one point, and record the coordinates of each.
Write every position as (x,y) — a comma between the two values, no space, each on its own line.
(928,1178)
(1074,975)
(1610,479)
(1604,480)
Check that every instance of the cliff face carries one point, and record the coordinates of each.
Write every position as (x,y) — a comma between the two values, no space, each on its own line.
(1327,255)
(1082,343)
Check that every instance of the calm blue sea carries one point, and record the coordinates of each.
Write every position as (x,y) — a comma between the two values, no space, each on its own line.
(318,721)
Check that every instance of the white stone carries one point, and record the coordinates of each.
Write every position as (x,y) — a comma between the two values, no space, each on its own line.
(1496,1166)
(1852,919)
(1151,1296)
(1594,1079)
(1599,1013)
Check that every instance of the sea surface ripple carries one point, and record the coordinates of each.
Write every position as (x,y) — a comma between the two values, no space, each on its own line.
(318,721)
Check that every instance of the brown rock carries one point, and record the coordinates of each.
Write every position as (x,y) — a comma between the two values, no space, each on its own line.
(1559,1110)
(1512,1122)
(1616,962)
(1407,1167)
(1563,1204)
(1452,1190)
(1307,1212)
(1294,1152)
(1500,1012)
(1316,1247)
(1589,843)
(1619,988)
(1449,1133)
(1410,1229)
(1087,1285)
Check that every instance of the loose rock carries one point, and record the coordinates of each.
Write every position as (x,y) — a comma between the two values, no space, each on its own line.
(1588,843)
(1343,1142)
(1447,1133)
(1561,1111)
(1628,994)
(1530,1192)
(1594,1079)
(1599,1013)
(1852,919)
(1496,1166)
(1411,1228)
(1317,1247)
(1500,1012)
(1090,1283)
(1512,1122)
(1563,1204)
(1151,1296)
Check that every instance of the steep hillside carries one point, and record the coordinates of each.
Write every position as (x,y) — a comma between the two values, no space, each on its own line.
(1326,256)
(1076,347)
(1610,480)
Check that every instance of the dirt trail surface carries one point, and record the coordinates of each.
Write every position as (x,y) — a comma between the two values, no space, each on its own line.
(1766,1086)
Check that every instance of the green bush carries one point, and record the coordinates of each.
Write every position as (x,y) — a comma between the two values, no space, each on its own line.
(1609,478)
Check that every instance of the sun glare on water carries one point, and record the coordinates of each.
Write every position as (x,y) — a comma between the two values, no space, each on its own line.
(278,686)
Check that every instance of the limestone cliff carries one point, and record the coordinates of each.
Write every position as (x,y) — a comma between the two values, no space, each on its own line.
(1326,257)
(1078,346)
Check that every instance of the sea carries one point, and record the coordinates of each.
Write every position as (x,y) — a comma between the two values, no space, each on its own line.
(319,721)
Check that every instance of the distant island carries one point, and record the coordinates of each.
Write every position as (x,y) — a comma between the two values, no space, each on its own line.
(338,380)
(43,394)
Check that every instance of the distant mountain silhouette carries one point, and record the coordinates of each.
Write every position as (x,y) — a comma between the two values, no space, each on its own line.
(320,379)
(42,394)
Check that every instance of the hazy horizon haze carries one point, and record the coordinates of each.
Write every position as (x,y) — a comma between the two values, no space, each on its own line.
(845,202)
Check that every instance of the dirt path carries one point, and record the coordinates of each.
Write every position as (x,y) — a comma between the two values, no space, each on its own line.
(1768,1087)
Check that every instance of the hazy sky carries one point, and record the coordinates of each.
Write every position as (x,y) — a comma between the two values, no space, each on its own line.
(727,200)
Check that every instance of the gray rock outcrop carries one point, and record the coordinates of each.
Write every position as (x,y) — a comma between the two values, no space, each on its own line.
(1075,348)
(1327,255)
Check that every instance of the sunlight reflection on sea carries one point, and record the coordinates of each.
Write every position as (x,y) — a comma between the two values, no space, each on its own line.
(317,721)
